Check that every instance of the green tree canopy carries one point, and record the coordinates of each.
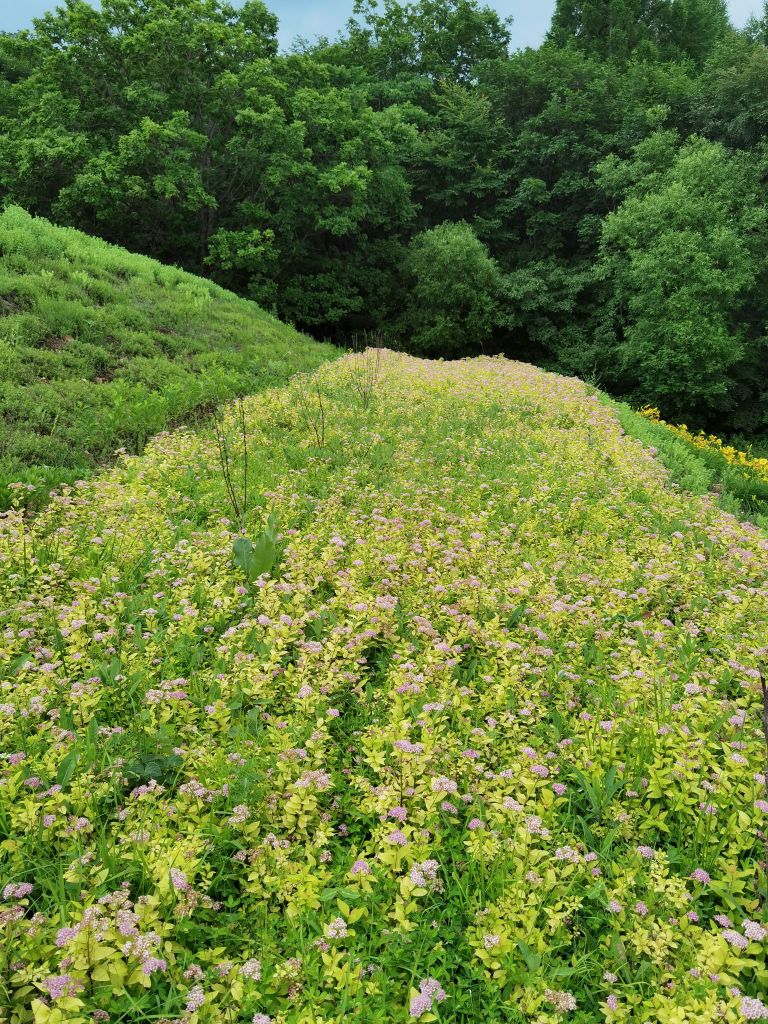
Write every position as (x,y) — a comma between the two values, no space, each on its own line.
(454,291)
(683,252)
(619,29)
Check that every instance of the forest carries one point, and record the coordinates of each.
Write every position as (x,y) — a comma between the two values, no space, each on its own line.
(596,206)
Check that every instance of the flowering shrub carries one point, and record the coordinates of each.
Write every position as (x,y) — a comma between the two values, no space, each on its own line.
(753,465)
(484,744)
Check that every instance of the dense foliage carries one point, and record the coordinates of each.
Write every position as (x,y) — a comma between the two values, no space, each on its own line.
(451,734)
(100,349)
(614,180)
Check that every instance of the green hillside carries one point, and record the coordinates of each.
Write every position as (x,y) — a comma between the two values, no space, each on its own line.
(100,349)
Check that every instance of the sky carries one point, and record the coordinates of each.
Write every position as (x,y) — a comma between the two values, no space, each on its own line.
(302,18)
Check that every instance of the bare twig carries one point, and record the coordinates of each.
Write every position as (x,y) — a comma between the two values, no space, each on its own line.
(313,413)
(239,503)
(764,688)
(366,368)
(244,437)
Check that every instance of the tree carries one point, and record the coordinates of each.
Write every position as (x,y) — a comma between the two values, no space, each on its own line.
(683,252)
(173,127)
(436,39)
(455,289)
(618,29)
(757,28)
(731,99)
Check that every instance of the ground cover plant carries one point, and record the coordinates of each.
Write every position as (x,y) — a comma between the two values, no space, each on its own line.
(451,714)
(100,349)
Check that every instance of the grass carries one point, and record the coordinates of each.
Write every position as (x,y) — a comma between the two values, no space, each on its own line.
(101,349)
(456,717)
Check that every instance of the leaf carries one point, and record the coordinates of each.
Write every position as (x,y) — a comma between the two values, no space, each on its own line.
(258,558)
(67,767)
(242,555)
(264,552)
(531,960)
(516,616)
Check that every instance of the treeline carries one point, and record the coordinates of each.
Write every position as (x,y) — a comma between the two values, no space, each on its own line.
(597,205)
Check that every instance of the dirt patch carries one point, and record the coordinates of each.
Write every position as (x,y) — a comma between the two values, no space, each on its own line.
(56,342)
(11,303)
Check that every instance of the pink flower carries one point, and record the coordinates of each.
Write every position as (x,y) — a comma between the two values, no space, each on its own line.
(735,939)
(700,875)
(337,929)
(360,867)
(475,824)
(425,874)
(420,1005)
(754,931)
(409,748)
(398,813)
(615,907)
(562,1001)
(195,999)
(66,935)
(251,969)
(60,985)
(17,890)
(150,964)
(753,1009)
(398,838)
(179,880)
(430,991)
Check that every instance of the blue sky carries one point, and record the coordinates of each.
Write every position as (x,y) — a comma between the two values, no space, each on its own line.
(298,17)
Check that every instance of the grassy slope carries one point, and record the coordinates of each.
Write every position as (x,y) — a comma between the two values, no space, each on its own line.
(500,667)
(101,349)
(696,470)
